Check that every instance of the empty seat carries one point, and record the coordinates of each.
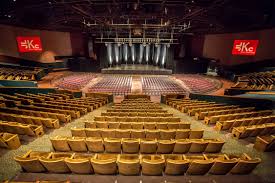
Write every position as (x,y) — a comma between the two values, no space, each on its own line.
(245,165)
(55,162)
(182,146)
(30,161)
(95,144)
(198,146)
(104,164)
(176,164)
(112,145)
(165,146)
(198,165)
(128,164)
(138,134)
(78,132)
(152,164)
(148,146)
(60,143)
(77,144)
(130,145)
(222,164)
(80,164)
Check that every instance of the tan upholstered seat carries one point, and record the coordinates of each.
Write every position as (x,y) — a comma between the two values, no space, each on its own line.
(128,164)
(80,164)
(245,165)
(104,164)
(60,143)
(55,162)
(222,164)
(130,145)
(148,146)
(30,161)
(112,145)
(176,164)
(95,144)
(165,146)
(182,146)
(198,146)
(77,144)
(152,164)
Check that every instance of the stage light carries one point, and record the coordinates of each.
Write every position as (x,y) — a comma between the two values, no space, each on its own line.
(133,53)
(147,53)
(164,53)
(141,48)
(157,55)
(125,53)
(109,52)
(116,53)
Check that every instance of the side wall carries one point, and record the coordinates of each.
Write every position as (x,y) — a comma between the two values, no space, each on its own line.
(219,46)
(53,44)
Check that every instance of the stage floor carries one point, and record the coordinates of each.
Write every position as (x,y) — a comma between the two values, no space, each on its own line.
(136,69)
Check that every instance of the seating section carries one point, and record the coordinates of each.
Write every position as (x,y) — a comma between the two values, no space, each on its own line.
(9,141)
(136,145)
(75,81)
(138,133)
(256,81)
(18,74)
(199,84)
(160,85)
(230,124)
(138,125)
(129,140)
(136,164)
(241,121)
(253,131)
(32,114)
(265,143)
(117,85)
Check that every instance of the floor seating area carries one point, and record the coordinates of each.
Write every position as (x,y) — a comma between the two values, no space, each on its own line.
(199,84)
(117,85)
(136,164)
(160,85)
(74,81)
(18,74)
(256,81)
(32,114)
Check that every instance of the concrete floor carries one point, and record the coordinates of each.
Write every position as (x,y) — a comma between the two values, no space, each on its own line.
(265,172)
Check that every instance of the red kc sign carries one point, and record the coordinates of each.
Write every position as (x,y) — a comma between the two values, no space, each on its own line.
(29,44)
(245,47)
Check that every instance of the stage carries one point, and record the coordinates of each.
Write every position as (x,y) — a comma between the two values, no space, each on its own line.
(136,69)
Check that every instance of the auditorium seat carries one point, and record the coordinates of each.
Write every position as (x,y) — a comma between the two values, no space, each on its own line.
(130,145)
(55,162)
(265,143)
(128,164)
(176,164)
(104,164)
(80,164)
(30,161)
(222,164)
(152,164)
(245,164)
(9,141)
(95,144)
(199,165)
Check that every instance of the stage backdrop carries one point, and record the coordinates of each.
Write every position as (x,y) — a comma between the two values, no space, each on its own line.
(219,46)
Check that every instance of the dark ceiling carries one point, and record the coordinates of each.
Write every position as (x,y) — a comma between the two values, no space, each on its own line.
(149,18)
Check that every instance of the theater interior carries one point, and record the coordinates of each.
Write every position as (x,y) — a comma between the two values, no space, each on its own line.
(137,91)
